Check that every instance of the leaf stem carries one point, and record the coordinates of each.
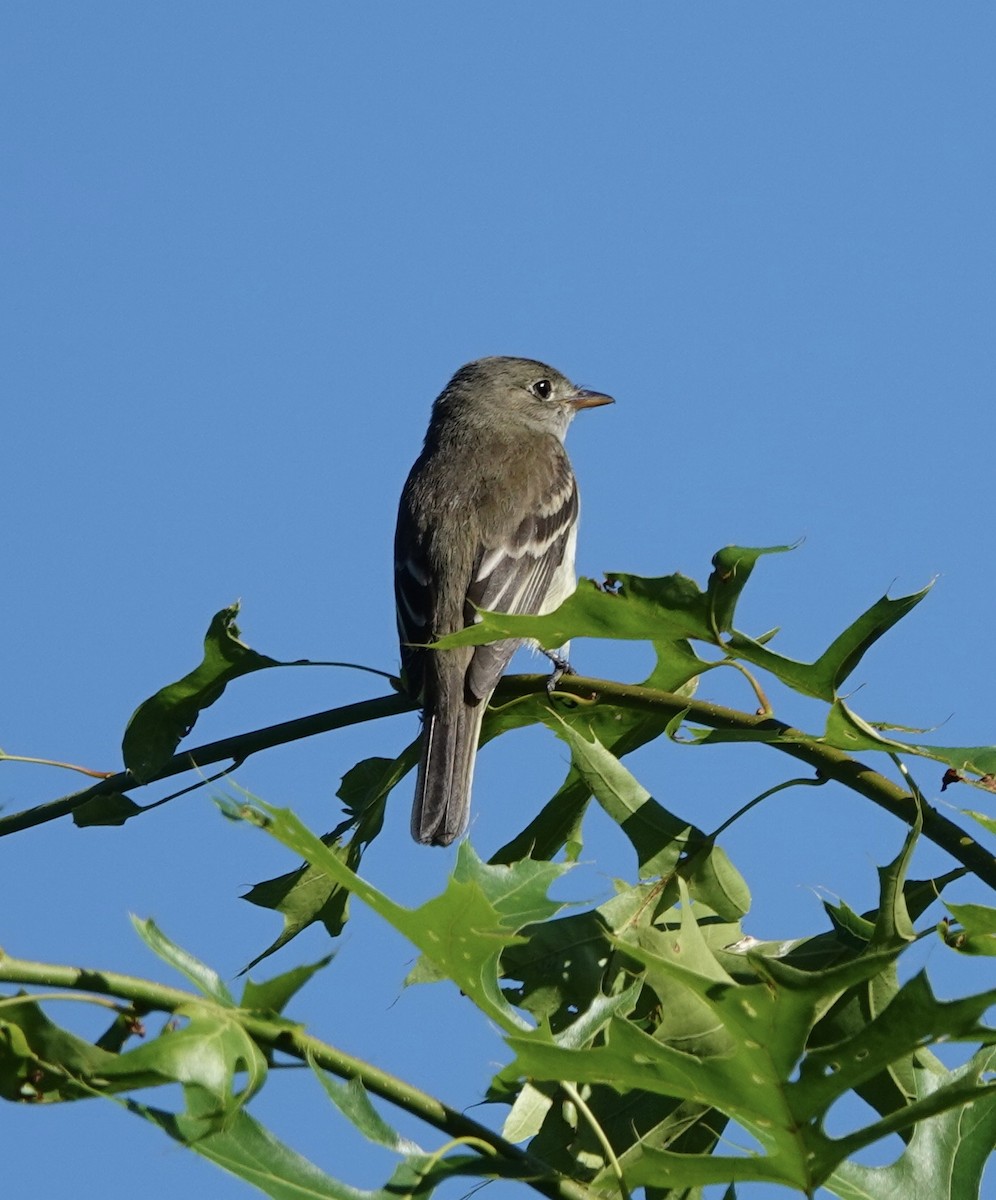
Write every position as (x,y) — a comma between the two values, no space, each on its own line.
(600,1136)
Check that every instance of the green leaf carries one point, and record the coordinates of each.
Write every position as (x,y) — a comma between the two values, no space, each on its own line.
(204,978)
(978,929)
(947,1153)
(249,1151)
(273,995)
(160,723)
(306,894)
(463,931)
(713,880)
(353,1102)
(113,808)
(658,837)
(987,822)
(823,677)
(40,1062)
(558,824)
(847,731)
(664,609)
(732,567)
(302,897)
(204,1055)
(742,1048)
(678,667)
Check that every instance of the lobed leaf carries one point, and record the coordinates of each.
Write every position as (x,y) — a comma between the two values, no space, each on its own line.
(823,677)
(307,895)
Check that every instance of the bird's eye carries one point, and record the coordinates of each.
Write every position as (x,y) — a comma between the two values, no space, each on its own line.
(542,388)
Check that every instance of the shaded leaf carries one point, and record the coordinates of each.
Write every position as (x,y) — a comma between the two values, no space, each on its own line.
(306,894)
(39,1061)
(113,808)
(160,723)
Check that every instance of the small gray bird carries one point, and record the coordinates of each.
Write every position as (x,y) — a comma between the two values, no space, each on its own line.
(488,519)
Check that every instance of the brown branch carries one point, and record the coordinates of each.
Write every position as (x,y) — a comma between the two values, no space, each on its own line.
(827,761)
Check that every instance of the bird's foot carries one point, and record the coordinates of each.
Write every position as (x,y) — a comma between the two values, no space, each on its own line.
(561,667)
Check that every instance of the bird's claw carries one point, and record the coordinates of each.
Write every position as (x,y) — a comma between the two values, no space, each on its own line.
(561,667)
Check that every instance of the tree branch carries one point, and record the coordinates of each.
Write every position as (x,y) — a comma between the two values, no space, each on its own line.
(827,761)
(147,996)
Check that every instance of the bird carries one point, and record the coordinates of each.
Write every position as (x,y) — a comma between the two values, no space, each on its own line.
(487,520)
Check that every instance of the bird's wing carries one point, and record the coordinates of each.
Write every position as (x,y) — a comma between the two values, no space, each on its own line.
(415,597)
(519,570)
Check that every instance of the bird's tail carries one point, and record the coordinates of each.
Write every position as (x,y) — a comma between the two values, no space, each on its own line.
(450,733)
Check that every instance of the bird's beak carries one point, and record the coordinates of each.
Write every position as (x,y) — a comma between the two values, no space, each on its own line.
(582,398)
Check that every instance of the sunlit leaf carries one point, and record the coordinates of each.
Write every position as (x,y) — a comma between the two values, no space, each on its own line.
(351,1099)
(463,930)
(273,995)
(307,895)
(977,934)
(654,610)
(250,1152)
(823,677)
(847,731)
(204,978)
(658,837)
(731,568)
(948,1152)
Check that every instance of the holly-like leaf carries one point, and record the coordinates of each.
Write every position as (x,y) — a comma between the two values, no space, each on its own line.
(461,932)
(848,732)
(751,1059)
(658,837)
(731,568)
(654,610)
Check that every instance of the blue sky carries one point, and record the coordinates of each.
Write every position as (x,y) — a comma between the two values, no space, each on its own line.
(245,245)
